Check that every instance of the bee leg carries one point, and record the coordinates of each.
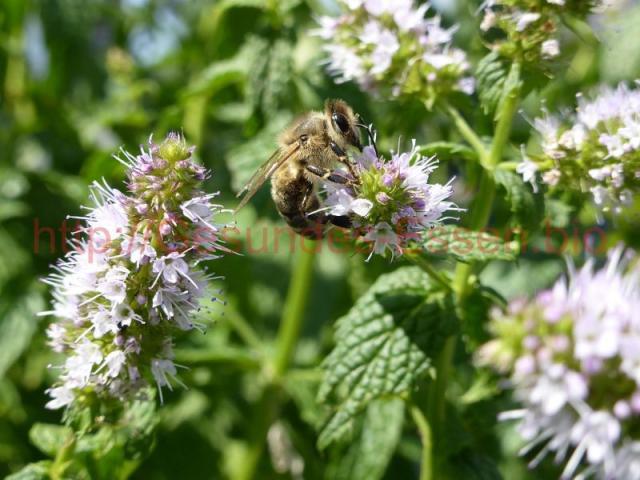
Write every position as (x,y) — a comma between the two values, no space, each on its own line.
(327,174)
(341,221)
(342,158)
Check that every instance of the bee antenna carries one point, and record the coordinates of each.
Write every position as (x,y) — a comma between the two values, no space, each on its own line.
(371,134)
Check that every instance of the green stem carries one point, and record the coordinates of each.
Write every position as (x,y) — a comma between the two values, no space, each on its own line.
(242,328)
(294,308)
(437,393)
(479,215)
(63,458)
(288,335)
(426,267)
(426,467)
(467,132)
(478,218)
(231,355)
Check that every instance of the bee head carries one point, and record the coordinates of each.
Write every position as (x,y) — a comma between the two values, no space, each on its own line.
(343,124)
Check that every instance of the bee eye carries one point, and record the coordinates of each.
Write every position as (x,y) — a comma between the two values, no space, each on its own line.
(341,122)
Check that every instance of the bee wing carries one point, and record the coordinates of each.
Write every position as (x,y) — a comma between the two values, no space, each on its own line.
(264,173)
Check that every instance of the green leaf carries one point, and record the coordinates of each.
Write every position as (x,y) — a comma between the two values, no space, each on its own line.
(369,456)
(476,313)
(17,325)
(12,209)
(218,75)
(277,85)
(49,438)
(526,206)
(384,345)
(447,150)
(33,471)
(529,278)
(491,74)
(557,213)
(464,245)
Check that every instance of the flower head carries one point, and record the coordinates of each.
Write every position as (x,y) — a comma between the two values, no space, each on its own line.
(391,201)
(126,287)
(597,148)
(391,45)
(572,354)
(529,28)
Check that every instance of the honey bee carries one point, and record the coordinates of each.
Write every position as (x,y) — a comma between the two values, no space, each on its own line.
(308,150)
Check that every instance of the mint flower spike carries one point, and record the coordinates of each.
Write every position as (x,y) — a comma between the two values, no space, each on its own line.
(530,27)
(390,45)
(572,354)
(132,281)
(596,148)
(390,203)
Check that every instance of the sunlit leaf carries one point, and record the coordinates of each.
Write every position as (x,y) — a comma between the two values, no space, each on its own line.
(466,245)
(383,346)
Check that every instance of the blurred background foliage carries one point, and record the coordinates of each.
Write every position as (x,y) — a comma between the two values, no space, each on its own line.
(79,79)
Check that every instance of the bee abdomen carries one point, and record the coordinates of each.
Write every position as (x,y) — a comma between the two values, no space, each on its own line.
(308,225)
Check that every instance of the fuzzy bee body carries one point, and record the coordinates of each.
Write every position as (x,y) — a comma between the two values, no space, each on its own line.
(308,150)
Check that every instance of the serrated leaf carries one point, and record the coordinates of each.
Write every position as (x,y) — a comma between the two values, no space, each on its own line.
(277,86)
(491,74)
(464,245)
(49,438)
(526,206)
(384,345)
(447,150)
(369,456)
(17,325)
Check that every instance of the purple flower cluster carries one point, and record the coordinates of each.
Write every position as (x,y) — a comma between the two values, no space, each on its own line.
(391,201)
(573,356)
(131,281)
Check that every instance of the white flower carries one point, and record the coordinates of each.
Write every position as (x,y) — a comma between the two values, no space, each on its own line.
(103,323)
(60,397)
(363,46)
(556,387)
(598,145)
(595,433)
(550,48)
(489,20)
(114,362)
(524,19)
(401,185)
(106,222)
(383,238)
(139,250)
(580,344)
(528,170)
(114,277)
(163,370)
(171,267)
